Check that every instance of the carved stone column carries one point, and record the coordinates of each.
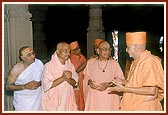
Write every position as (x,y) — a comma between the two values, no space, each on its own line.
(8,105)
(95,29)
(38,19)
(17,33)
(19,29)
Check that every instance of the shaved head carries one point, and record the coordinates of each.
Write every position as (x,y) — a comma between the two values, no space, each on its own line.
(61,45)
(63,51)
(103,43)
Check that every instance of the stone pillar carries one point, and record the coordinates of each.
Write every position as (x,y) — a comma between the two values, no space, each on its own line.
(39,38)
(95,29)
(19,29)
(17,33)
(7,95)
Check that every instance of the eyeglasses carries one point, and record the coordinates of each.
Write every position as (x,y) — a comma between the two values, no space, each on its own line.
(65,51)
(105,49)
(76,49)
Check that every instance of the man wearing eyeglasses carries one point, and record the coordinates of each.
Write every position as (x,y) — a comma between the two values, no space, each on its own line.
(99,74)
(144,86)
(25,80)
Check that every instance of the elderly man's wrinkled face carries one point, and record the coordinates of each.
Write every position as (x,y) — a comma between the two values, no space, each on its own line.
(131,49)
(104,50)
(76,51)
(64,52)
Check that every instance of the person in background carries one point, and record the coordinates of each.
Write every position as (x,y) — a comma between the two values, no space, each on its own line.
(96,43)
(25,80)
(59,80)
(99,74)
(144,86)
(77,58)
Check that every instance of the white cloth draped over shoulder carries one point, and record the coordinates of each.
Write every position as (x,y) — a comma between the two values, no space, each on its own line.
(29,100)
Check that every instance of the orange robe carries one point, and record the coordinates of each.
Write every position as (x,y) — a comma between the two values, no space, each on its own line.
(145,71)
(61,97)
(101,100)
(78,60)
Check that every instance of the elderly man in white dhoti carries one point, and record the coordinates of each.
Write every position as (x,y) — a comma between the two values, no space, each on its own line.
(25,80)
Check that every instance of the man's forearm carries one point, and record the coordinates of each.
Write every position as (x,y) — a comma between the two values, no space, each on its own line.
(13,87)
(71,81)
(58,81)
(140,90)
(81,67)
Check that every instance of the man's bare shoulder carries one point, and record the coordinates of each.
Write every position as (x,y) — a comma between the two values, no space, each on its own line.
(17,68)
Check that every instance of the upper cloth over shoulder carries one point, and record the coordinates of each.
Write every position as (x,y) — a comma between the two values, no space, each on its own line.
(62,96)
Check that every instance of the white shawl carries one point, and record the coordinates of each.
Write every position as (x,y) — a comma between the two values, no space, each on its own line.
(29,100)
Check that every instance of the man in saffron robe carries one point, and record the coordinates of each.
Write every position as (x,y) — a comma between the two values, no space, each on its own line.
(144,86)
(25,80)
(99,73)
(77,58)
(59,78)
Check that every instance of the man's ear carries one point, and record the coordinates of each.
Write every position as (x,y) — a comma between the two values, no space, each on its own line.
(57,51)
(22,57)
(97,50)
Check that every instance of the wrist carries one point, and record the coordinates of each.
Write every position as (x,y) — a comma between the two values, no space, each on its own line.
(23,87)
(39,83)
(76,85)
(89,81)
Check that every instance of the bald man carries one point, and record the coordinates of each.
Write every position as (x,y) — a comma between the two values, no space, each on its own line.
(59,79)
(96,43)
(144,86)
(25,80)
(99,73)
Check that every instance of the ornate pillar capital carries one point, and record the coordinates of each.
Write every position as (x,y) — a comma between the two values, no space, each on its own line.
(18,11)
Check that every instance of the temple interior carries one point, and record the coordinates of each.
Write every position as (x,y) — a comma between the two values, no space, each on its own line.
(42,26)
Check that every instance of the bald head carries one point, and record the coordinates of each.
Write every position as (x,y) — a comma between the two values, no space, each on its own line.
(61,45)
(63,51)
(103,43)
(104,50)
